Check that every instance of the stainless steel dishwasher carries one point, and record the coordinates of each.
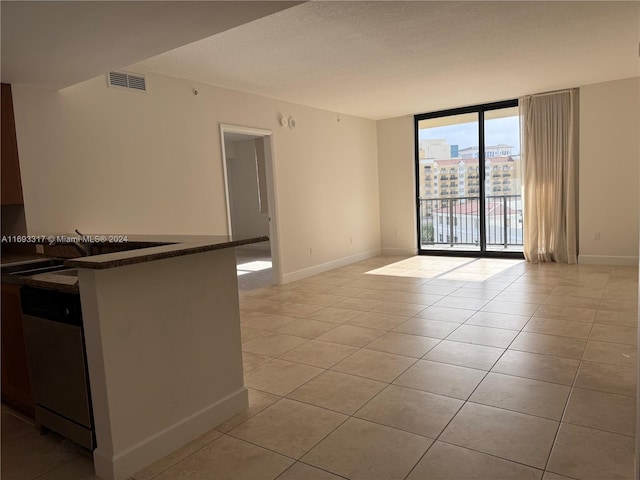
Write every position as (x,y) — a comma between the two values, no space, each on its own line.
(55,348)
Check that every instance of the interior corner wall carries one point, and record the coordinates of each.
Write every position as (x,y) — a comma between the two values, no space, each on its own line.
(609,169)
(105,160)
(398,230)
(608,176)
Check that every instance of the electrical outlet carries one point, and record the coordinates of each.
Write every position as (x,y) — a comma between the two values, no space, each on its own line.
(596,236)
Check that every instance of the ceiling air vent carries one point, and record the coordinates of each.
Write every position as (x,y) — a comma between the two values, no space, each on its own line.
(128,81)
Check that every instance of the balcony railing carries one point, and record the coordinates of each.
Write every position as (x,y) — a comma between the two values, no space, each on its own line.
(456,221)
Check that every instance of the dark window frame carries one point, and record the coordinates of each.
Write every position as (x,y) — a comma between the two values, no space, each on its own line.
(480,110)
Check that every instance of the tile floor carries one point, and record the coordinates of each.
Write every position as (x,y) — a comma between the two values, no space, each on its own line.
(418,368)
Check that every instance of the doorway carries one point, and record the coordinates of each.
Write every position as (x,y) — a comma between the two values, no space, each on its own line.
(249,189)
(469,181)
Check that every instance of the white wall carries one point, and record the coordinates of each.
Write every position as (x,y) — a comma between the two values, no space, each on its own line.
(244,201)
(107,160)
(609,170)
(397,186)
(608,175)
(163,353)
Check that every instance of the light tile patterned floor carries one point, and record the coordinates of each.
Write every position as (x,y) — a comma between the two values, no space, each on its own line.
(417,368)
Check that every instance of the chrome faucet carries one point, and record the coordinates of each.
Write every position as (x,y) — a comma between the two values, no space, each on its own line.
(83,247)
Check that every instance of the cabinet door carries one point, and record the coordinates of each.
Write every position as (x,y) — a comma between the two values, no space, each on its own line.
(16,384)
(11,193)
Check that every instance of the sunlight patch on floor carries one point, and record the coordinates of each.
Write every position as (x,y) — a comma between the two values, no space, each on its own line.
(419,268)
(482,269)
(255,266)
(448,268)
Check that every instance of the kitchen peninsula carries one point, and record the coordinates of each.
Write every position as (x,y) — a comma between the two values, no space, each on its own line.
(162,335)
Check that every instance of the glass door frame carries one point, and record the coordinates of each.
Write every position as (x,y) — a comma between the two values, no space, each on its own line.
(480,110)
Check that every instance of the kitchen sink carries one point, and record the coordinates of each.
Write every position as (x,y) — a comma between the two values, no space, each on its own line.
(36,271)
(33,268)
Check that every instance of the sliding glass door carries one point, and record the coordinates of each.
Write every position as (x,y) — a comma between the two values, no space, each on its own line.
(448,183)
(503,180)
(468,180)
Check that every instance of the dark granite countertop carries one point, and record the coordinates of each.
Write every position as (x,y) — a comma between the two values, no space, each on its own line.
(13,268)
(165,246)
(144,248)
(48,281)
(11,258)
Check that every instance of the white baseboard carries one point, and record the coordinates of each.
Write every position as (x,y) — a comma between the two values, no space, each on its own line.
(607,260)
(399,252)
(123,465)
(325,267)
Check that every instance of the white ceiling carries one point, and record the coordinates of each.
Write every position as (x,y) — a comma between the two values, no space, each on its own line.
(390,58)
(371,59)
(54,44)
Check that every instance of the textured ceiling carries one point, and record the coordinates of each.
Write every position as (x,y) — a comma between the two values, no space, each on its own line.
(390,58)
(54,44)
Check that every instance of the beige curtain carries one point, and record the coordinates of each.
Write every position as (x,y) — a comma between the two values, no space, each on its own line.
(549,151)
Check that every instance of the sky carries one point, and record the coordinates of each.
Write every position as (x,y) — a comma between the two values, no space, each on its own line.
(498,130)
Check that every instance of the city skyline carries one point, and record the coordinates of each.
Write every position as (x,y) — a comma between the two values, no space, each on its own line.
(505,130)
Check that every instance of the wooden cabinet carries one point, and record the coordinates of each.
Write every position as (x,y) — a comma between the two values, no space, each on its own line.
(16,384)
(11,188)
